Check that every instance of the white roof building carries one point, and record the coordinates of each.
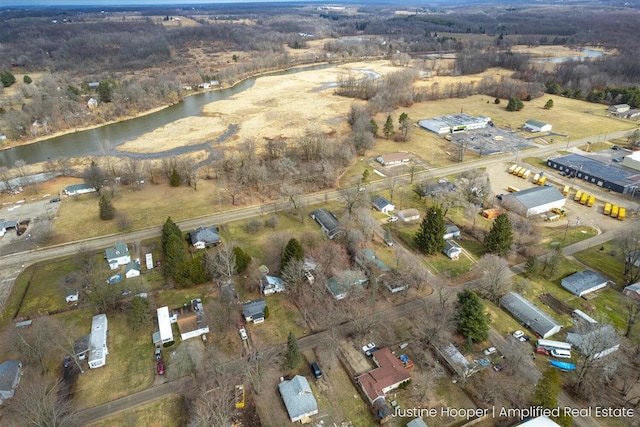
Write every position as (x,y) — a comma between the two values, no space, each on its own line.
(98,343)
(533,201)
(164,324)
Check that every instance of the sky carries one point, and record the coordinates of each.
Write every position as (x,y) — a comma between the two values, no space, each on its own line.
(88,3)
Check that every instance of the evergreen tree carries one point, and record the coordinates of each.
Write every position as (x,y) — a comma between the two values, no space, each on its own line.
(7,78)
(176,262)
(94,176)
(174,179)
(548,105)
(403,120)
(374,128)
(293,358)
(293,251)
(388,127)
(168,229)
(107,211)
(138,315)
(365,177)
(515,104)
(27,80)
(500,237)
(242,259)
(546,395)
(104,91)
(473,321)
(430,236)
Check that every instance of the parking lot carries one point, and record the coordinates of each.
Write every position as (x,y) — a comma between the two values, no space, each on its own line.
(491,140)
(38,210)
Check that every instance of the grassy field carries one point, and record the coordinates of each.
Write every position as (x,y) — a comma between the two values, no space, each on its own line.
(563,235)
(166,412)
(605,258)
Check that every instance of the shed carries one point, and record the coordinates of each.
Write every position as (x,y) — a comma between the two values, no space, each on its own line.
(451,231)
(72,295)
(204,237)
(254,311)
(298,399)
(328,222)
(536,126)
(10,372)
(584,282)
(534,200)
(452,249)
(597,341)
(530,315)
(408,215)
(381,204)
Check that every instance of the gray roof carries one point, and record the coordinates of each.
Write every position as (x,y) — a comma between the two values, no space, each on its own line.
(635,287)
(525,311)
(208,235)
(449,245)
(76,187)
(537,196)
(298,397)
(8,372)
(371,257)
(598,341)
(535,123)
(606,171)
(379,202)
(119,250)
(339,285)
(253,309)
(327,221)
(133,265)
(583,282)
(417,422)
(451,229)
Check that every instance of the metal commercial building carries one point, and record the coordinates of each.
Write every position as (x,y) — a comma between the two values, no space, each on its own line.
(606,175)
(533,201)
(454,123)
(530,315)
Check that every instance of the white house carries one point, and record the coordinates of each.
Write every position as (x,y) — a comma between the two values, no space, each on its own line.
(451,231)
(73,190)
(98,342)
(381,204)
(452,249)
(132,269)
(393,159)
(254,311)
(191,320)
(408,215)
(271,285)
(118,255)
(72,295)
(164,324)
(536,126)
(584,282)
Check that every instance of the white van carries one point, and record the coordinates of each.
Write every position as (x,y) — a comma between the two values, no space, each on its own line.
(562,354)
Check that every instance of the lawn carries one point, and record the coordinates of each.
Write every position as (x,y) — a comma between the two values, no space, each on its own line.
(283,317)
(130,365)
(166,412)
(605,258)
(565,234)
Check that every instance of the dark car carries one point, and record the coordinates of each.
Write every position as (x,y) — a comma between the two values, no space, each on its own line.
(160,368)
(316,370)
(66,362)
(615,147)
(56,200)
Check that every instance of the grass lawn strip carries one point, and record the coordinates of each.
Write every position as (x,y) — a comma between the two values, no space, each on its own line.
(166,412)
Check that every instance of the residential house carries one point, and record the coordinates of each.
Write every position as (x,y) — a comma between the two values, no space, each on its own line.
(164,326)
(393,159)
(381,204)
(452,249)
(72,295)
(10,372)
(530,315)
(328,222)
(81,347)
(118,255)
(541,421)
(619,109)
(298,399)
(73,190)
(254,311)
(536,126)
(408,215)
(633,291)
(416,422)
(191,320)
(584,282)
(346,284)
(132,269)
(204,237)
(451,231)
(456,360)
(633,258)
(389,375)
(271,285)
(98,342)
(595,341)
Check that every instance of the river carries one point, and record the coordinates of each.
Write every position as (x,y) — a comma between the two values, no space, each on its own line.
(87,142)
(586,54)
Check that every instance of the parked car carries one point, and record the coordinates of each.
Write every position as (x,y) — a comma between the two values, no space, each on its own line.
(524,338)
(369,348)
(542,350)
(56,200)
(158,354)
(489,351)
(243,334)
(160,368)
(517,334)
(316,370)
(392,219)
(498,367)
(66,362)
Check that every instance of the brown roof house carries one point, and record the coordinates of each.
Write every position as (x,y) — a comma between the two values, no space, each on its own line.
(390,374)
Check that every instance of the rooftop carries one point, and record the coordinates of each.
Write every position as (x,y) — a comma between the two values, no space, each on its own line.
(394,157)
(118,250)
(298,397)
(607,171)
(254,308)
(535,123)
(390,371)
(379,202)
(596,341)
(205,234)
(327,221)
(536,196)
(583,281)
(525,311)
(8,372)
(98,340)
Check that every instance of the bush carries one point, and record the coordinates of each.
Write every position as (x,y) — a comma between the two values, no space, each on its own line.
(252,226)
(496,101)
(272,222)
(27,80)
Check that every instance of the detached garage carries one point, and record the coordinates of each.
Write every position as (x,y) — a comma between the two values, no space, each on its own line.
(536,126)
(534,201)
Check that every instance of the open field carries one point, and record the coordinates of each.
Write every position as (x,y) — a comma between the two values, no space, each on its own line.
(166,412)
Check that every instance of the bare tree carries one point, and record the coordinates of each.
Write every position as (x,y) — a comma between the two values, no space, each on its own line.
(392,185)
(5,176)
(35,343)
(293,274)
(351,198)
(629,243)
(38,403)
(221,262)
(292,193)
(367,222)
(434,324)
(632,315)
(496,277)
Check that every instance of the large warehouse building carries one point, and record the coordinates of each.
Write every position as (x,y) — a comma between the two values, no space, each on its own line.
(534,200)
(605,175)
(530,315)
(454,123)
